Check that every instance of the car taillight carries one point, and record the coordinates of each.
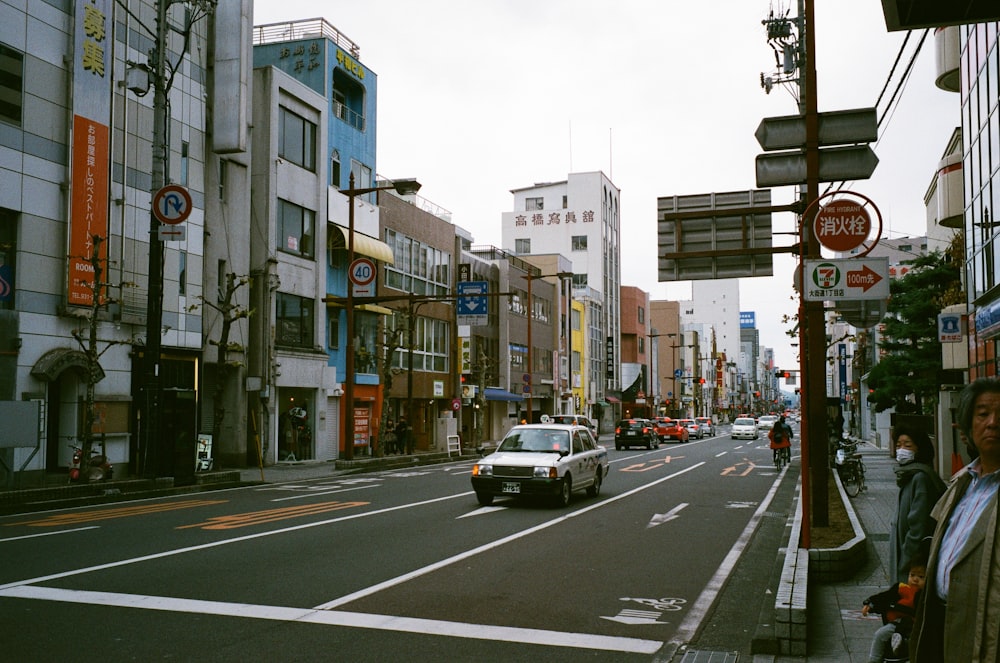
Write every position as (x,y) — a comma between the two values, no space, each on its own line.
(618,431)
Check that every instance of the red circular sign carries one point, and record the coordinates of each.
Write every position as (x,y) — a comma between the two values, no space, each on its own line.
(172,204)
(362,271)
(456,404)
(842,225)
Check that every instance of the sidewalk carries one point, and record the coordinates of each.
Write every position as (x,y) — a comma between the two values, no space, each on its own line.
(837,633)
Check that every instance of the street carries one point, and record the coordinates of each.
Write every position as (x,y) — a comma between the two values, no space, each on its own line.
(394,564)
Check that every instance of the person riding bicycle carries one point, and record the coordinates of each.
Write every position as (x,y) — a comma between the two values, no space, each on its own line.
(781,438)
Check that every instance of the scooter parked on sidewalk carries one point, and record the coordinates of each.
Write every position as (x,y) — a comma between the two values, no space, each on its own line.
(96,468)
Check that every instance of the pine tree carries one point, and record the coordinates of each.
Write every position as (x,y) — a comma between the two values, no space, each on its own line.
(908,375)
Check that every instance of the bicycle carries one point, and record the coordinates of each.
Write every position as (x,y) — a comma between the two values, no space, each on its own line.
(851,469)
(782,457)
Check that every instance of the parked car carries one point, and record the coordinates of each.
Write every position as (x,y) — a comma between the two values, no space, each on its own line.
(670,429)
(707,426)
(692,426)
(767,421)
(744,428)
(574,420)
(635,433)
(550,460)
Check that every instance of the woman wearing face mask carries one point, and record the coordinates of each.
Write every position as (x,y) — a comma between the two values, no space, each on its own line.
(919,489)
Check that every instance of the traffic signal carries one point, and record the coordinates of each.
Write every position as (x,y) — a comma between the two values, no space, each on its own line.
(701,380)
(782,374)
(466,378)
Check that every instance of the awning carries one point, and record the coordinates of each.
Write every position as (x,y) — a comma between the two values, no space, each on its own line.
(612,399)
(371,308)
(497,394)
(602,403)
(363,244)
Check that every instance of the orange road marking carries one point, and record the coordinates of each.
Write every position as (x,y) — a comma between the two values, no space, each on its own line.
(61,519)
(731,470)
(644,467)
(271,515)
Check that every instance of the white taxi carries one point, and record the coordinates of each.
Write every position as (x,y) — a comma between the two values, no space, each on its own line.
(542,459)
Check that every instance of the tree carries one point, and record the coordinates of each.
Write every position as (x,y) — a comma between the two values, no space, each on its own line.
(392,340)
(229,312)
(87,339)
(908,376)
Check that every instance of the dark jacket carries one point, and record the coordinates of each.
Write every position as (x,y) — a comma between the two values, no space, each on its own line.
(897,605)
(919,490)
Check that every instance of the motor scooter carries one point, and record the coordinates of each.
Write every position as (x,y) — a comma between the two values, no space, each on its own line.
(96,468)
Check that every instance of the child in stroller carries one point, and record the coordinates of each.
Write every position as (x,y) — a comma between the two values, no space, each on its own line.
(896,605)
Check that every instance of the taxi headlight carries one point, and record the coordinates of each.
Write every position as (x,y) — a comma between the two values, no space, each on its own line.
(480,470)
(545,473)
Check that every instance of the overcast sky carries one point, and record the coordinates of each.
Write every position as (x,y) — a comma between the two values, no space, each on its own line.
(476,98)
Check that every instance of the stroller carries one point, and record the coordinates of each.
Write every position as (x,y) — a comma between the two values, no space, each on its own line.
(900,617)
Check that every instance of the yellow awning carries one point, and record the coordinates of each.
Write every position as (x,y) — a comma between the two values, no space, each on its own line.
(371,308)
(365,245)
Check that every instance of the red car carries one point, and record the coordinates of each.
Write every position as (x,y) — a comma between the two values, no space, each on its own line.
(670,429)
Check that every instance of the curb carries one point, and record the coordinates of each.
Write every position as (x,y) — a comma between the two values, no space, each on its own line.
(801,565)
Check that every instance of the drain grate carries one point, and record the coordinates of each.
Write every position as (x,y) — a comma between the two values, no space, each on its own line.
(696,656)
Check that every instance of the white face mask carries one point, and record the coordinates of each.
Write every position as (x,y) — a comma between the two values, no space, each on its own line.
(904,456)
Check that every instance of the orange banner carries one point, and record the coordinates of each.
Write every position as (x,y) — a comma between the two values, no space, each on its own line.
(89,208)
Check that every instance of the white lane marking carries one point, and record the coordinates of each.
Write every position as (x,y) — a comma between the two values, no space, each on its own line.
(719,455)
(660,518)
(35,536)
(480,511)
(700,607)
(238,539)
(398,580)
(326,492)
(346,619)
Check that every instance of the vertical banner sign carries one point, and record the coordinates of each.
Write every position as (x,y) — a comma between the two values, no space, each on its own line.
(842,366)
(609,357)
(90,158)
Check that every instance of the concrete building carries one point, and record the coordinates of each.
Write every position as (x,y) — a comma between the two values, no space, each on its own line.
(579,218)
(75,186)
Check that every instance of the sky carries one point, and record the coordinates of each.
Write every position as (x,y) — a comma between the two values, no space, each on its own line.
(476,99)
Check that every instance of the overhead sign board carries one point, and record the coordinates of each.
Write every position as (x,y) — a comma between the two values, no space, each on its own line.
(721,234)
(836,164)
(847,127)
(473,308)
(847,279)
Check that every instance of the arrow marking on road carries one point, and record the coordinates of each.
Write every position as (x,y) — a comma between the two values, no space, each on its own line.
(660,518)
(633,617)
(732,469)
(486,509)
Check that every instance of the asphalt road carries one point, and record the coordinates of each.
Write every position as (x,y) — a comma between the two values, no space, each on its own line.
(403,565)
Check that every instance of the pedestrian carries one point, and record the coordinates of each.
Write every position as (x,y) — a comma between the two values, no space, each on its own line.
(389,437)
(958,620)
(404,436)
(920,487)
(896,605)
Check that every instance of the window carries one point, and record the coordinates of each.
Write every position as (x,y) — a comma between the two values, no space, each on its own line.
(522,246)
(11,85)
(294,321)
(579,280)
(221,269)
(333,322)
(297,139)
(185,162)
(641,315)
(295,229)
(642,345)
(362,179)
(8,251)
(534,204)
(431,345)
(417,267)
(579,243)
(182,273)
(348,99)
(565,201)
(335,169)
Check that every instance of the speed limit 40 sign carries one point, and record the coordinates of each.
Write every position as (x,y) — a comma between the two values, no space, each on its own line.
(362,275)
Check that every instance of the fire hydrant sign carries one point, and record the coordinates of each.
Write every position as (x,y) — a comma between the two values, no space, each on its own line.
(850,278)
(842,225)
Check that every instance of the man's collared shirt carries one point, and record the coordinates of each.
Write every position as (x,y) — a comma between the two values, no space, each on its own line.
(969,509)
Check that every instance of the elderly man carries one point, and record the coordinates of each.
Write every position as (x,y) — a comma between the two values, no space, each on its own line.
(959,619)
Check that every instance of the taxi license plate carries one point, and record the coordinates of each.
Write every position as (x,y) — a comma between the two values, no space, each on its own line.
(510,487)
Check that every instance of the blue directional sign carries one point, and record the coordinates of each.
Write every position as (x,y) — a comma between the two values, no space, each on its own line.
(678,373)
(473,308)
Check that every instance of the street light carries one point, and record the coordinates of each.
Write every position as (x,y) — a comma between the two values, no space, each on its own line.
(403,187)
(653,382)
(676,394)
(531,311)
